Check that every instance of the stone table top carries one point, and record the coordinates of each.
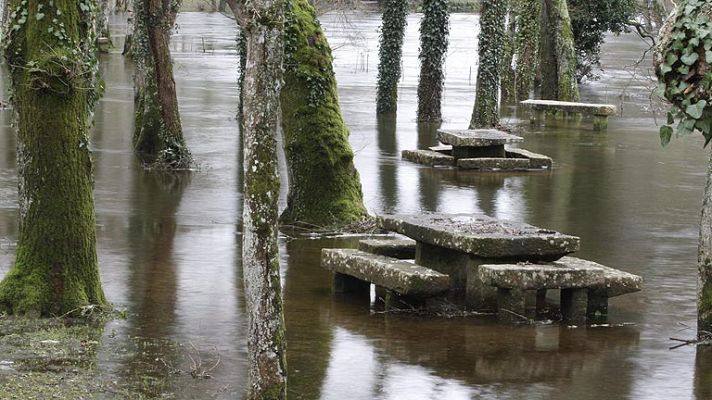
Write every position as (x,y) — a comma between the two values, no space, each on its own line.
(482,236)
(477,137)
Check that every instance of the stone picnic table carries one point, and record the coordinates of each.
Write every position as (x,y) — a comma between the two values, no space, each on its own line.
(477,143)
(457,244)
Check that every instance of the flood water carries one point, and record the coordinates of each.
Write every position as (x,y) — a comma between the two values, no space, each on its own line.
(169,247)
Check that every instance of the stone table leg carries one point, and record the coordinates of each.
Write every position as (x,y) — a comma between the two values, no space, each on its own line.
(510,305)
(600,122)
(597,303)
(540,300)
(574,304)
(347,284)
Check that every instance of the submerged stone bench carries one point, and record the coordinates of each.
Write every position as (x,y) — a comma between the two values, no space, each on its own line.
(475,143)
(428,157)
(585,286)
(403,249)
(600,112)
(354,270)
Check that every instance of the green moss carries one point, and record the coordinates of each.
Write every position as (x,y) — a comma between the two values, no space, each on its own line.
(558,57)
(704,300)
(55,88)
(324,185)
(528,14)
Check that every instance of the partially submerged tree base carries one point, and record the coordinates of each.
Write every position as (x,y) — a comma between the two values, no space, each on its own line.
(325,190)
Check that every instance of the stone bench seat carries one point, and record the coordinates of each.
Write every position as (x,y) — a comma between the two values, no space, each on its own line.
(600,112)
(402,249)
(585,286)
(354,269)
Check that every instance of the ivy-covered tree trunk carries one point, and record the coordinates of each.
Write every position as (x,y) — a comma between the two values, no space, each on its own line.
(558,55)
(508,78)
(491,42)
(102,27)
(395,18)
(262,25)
(526,46)
(434,31)
(52,58)
(158,133)
(704,284)
(324,185)
(682,65)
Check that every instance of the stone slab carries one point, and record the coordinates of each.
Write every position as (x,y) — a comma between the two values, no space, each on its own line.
(442,149)
(536,160)
(616,282)
(404,278)
(428,157)
(555,275)
(506,164)
(583,108)
(476,137)
(482,236)
(397,248)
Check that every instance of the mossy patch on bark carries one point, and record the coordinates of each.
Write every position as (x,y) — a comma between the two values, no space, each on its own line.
(325,189)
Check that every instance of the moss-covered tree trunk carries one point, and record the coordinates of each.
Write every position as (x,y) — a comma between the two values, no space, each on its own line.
(704,284)
(51,54)
(395,18)
(158,134)
(324,185)
(434,32)
(557,52)
(491,45)
(526,46)
(102,27)
(262,25)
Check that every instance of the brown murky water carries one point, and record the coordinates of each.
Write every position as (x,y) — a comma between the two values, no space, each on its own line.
(170,246)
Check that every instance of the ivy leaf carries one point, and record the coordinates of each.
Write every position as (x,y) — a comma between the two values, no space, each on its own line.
(665,135)
(689,59)
(39,16)
(695,110)
(670,118)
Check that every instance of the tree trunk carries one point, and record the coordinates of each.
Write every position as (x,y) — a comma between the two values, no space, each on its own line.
(508,79)
(324,186)
(558,56)
(527,46)
(395,18)
(263,28)
(55,88)
(434,32)
(158,135)
(491,41)
(704,259)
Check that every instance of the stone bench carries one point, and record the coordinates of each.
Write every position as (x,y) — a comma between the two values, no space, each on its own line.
(600,112)
(354,270)
(402,249)
(585,286)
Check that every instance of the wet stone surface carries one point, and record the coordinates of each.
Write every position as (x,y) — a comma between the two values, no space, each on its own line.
(556,275)
(486,163)
(482,236)
(428,157)
(396,248)
(476,137)
(403,277)
(583,108)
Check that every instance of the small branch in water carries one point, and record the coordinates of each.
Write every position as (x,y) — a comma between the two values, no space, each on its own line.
(703,338)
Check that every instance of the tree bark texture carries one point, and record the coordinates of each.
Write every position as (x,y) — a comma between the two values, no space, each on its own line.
(395,18)
(158,133)
(526,46)
(434,31)
(508,79)
(53,68)
(262,23)
(704,283)
(491,41)
(102,26)
(557,52)
(324,185)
